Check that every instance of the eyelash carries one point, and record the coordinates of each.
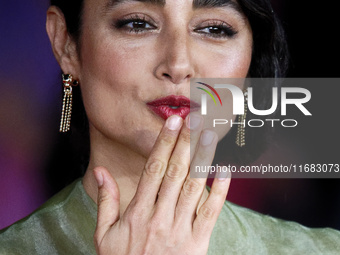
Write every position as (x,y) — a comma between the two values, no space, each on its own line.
(224,30)
(136,19)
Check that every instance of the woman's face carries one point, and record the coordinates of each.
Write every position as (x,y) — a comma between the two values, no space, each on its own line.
(134,52)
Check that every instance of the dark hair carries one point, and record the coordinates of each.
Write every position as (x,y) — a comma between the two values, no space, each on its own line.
(269,59)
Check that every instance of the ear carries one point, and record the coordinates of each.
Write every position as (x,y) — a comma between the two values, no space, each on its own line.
(63,46)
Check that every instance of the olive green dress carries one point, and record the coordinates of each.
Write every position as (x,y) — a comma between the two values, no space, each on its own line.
(66,224)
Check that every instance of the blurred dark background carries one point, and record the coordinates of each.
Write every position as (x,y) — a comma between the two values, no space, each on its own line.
(30,101)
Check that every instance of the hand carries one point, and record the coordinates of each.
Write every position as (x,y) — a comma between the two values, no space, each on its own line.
(161,218)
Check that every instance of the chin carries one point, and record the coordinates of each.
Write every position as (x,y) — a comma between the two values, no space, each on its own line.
(145,141)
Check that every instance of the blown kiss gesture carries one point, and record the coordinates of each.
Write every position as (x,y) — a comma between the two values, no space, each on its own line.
(170,212)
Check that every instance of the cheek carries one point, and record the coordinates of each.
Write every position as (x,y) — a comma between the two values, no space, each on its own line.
(232,62)
(112,93)
(103,63)
(107,73)
(237,64)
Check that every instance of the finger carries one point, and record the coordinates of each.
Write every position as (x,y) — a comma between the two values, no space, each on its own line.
(210,210)
(108,202)
(195,124)
(156,165)
(179,164)
(194,184)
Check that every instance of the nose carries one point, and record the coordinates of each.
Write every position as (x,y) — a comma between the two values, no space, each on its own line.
(175,59)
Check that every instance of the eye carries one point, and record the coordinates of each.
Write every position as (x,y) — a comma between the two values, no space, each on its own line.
(217,30)
(135,24)
(138,24)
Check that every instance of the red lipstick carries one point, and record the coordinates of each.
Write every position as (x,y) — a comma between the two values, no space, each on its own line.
(173,105)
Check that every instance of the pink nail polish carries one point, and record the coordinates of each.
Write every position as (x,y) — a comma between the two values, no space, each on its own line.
(174,122)
(207,137)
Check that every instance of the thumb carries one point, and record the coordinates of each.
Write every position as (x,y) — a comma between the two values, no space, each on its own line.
(108,202)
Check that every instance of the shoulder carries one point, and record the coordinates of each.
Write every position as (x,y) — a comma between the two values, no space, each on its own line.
(242,230)
(48,229)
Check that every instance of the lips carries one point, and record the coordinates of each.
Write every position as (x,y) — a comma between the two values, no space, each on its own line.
(173,105)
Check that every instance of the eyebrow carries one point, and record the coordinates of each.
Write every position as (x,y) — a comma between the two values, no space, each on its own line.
(113,3)
(197,4)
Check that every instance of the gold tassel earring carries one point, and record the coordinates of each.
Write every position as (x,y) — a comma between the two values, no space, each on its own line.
(241,130)
(66,112)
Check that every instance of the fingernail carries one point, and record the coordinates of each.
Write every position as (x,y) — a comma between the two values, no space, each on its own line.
(193,121)
(99,178)
(224,177)
(174,122)
(207,137)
